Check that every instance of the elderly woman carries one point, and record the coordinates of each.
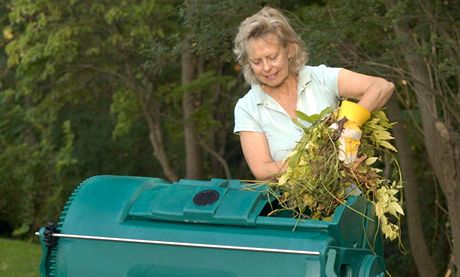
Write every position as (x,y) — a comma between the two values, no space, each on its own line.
(272,57)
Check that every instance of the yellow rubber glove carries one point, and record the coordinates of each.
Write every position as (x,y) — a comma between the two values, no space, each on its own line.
(350,137)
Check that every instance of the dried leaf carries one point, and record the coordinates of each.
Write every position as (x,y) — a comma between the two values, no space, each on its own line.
(371,160)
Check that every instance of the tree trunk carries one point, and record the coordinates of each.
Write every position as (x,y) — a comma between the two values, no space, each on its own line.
(423,260)
(156,138)
(453,204)
(218,136)
(151,110)
(443,150)
(190,102)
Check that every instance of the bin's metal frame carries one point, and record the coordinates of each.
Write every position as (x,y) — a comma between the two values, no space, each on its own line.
(187,244)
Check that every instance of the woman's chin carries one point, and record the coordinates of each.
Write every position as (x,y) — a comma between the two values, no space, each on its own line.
(272,83)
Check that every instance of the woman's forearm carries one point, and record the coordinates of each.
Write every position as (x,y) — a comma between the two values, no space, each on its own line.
(377,95)
(269,170)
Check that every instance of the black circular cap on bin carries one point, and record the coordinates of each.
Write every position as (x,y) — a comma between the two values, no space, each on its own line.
(206,197)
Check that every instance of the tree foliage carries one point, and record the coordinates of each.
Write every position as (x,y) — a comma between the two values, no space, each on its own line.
(96,87)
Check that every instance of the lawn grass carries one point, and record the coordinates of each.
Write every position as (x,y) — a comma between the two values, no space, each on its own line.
(19,258)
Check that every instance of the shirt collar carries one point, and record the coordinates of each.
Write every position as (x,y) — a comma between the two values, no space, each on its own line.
(304,79)
(258,93)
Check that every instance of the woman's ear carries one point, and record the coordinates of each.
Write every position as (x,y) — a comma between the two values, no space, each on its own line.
(292,48)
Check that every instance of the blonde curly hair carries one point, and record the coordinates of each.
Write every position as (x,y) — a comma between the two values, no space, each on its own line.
(268,21)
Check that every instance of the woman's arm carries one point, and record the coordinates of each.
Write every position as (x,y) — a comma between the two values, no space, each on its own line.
(257,155)
(372,92)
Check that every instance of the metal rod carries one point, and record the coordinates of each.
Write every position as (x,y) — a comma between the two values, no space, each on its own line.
(189,244)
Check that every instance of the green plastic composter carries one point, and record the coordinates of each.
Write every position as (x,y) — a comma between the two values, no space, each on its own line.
(136,226)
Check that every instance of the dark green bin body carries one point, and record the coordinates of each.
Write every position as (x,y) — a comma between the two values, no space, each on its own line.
(139,226)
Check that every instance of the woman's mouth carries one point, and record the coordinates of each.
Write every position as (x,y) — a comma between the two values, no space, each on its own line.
(271,76)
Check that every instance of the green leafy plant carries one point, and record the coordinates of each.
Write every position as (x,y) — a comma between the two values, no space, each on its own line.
(316,181)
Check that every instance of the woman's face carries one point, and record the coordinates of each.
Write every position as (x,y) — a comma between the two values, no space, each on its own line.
(268,60)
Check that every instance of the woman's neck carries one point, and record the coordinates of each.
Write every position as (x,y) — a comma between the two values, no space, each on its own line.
(286,88)
(285,94)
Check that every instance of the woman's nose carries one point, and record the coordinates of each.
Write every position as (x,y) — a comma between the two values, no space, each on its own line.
(266,65)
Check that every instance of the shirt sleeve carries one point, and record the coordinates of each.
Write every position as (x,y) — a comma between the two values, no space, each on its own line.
(245,119)
(330,80)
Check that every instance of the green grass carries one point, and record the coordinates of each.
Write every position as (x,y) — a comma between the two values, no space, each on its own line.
(19,258)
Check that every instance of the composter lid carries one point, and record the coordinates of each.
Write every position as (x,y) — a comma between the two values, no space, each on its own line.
(218,201)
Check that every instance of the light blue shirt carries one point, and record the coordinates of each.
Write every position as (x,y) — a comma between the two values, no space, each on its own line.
(259,112)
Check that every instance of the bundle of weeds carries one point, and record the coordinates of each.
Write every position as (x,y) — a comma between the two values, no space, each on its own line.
(317,182)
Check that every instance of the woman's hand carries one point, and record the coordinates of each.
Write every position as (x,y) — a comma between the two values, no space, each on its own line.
(354,116)
(349,142)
